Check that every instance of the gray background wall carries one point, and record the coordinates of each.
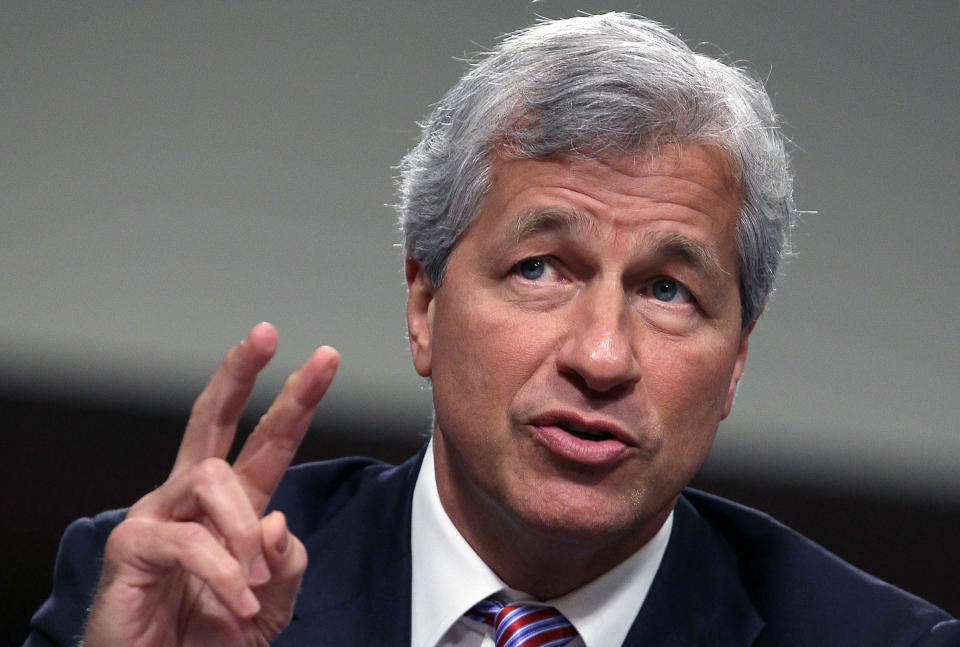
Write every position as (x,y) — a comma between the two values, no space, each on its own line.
(174,172)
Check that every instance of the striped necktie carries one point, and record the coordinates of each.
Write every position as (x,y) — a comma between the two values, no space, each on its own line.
(523,625)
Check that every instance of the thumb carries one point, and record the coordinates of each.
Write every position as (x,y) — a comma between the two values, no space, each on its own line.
(287,559)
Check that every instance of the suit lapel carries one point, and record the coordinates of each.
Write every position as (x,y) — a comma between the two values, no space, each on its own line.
(697,597)
(356,590)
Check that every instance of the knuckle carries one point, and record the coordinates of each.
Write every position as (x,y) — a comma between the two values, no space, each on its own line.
(291,380)
(237,366)
(233,354)
(288,440)
(201,414)
(210,472)
(146,503)
(226,572)
(124,538)
(191,533)
(246,535)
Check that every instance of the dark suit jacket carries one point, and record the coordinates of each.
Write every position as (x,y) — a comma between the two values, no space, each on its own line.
(730,575)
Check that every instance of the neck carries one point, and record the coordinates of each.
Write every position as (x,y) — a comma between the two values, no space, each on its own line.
(546,562)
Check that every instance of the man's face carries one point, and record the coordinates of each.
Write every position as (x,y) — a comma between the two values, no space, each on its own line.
(584,345)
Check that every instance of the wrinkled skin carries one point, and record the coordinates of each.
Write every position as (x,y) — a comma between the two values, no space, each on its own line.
(195,562)
(595,294)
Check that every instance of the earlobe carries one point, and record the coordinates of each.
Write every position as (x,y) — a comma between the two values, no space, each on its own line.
(419,316)
(738,368)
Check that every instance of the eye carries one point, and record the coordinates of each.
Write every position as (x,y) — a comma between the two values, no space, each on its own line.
(535,269)
(670,291)
(531,268)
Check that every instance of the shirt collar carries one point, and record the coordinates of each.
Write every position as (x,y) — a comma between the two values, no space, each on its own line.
(604,609)
(449,577)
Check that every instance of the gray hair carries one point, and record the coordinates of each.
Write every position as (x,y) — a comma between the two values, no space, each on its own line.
(596,86)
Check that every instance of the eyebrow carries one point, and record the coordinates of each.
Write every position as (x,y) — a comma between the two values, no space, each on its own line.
(539,221)
(671,244)
(663,244)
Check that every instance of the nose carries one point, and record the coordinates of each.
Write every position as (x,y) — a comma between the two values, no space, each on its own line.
(598,349)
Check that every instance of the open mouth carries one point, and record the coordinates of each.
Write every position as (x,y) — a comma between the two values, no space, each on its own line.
(586,433)
(585,441)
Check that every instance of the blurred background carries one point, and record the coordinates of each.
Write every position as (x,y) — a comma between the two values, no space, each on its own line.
(172,173)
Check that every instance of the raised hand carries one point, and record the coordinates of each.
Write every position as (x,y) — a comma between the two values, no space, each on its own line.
(195,562)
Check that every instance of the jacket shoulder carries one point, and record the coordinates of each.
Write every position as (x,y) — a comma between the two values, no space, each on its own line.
(308,495)
(75,574)
(311,493)
(807,595)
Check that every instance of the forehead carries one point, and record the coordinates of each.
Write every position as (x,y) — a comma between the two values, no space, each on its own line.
(689,190)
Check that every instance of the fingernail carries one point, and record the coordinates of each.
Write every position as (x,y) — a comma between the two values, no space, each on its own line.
(259,571)
(249,604)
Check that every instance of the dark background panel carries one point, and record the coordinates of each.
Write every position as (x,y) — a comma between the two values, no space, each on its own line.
(63,460)
(175,171)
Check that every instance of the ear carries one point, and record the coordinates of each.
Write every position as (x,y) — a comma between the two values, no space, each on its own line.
(738,367)
(419,316)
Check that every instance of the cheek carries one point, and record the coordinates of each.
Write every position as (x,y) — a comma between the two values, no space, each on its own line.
(481,362)
(690,386)
(482,354)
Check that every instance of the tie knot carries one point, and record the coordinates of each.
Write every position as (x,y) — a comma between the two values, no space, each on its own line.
(523,625)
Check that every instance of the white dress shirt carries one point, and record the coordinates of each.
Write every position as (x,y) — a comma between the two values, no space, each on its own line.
(449,578)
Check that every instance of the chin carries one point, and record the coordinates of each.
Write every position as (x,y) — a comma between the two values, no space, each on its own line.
(572,512)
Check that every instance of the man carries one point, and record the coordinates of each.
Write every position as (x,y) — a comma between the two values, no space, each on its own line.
(593,220)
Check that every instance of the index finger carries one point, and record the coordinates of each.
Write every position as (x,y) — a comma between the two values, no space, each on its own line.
(213,420)
(268,451)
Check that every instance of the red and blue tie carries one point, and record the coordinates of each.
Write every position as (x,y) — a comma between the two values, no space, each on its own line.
(523,625)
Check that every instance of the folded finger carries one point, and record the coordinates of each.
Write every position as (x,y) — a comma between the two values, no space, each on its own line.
(157,547)
(213,419)
(211,492)
(271,447)
(287,558)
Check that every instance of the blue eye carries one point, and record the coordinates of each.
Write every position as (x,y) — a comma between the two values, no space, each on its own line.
(666,289)
(532,269)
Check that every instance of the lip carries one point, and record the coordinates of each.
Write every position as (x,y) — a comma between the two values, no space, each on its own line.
(546,428)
